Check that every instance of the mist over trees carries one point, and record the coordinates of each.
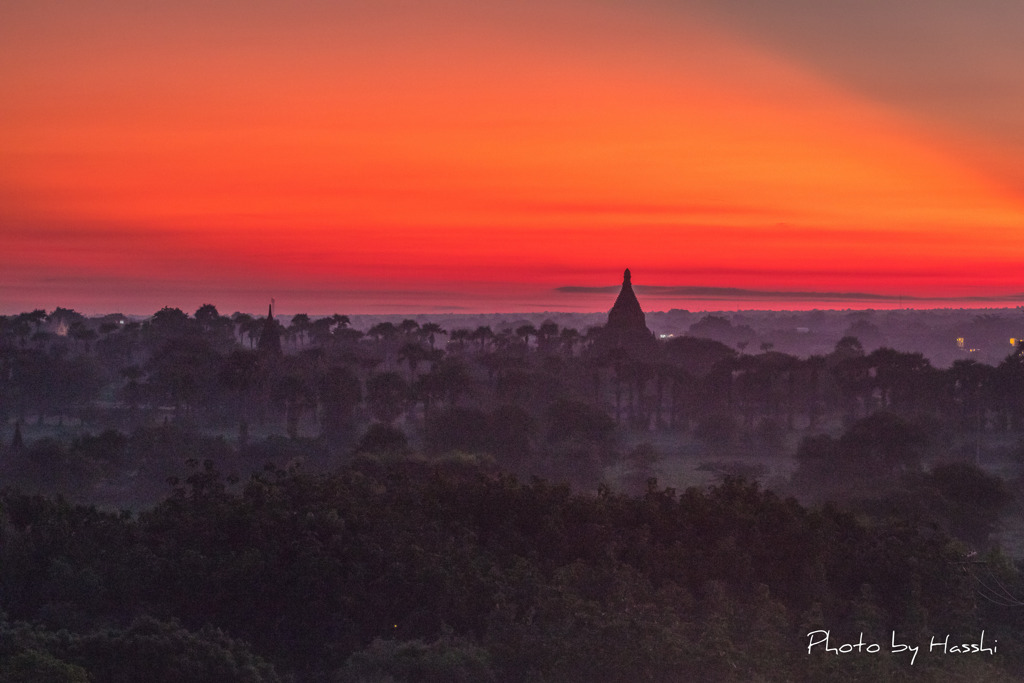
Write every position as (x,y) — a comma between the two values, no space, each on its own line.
(505,498)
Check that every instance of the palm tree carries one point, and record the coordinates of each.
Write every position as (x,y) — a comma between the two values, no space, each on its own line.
(459,338)
(427,389)
(546,333)
(568,338)
(408,327)
(290,392)
(503,340)
(319,331)
(482,334)
(526,331)
(25,323)
(299,327)
(969,383)
(131,392)
(412,353)
(243,326)
(900,376)
(430,331)
(81,332)
(1009,381)
(339,392)
(207,317)
(386,395)
(453,379)
(347,335)
(383,331)
(385,334)
(815,366)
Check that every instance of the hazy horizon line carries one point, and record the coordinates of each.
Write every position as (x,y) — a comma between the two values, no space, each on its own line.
(539,311)
(736,293)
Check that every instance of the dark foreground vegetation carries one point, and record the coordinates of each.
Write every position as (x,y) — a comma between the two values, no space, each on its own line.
(204,498)
(446,571)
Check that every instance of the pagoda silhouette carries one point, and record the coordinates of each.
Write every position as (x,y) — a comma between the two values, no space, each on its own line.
(270,336)
(626,328)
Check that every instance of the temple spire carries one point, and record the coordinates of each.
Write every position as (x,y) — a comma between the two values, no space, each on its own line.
(270,335)
(626,313)
(627,324)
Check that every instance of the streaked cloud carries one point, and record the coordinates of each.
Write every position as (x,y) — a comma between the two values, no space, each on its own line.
(738,294)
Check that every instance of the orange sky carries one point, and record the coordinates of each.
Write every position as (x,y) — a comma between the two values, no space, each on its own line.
(411,157)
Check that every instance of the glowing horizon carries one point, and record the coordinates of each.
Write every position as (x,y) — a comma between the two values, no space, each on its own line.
(479,156)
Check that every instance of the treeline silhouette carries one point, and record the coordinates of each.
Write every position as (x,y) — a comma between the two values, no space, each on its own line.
(542,400)
(314,502)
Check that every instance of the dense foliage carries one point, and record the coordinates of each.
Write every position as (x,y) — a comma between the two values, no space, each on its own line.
(322,378)
(542,400)
(354,507)
(444,571)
